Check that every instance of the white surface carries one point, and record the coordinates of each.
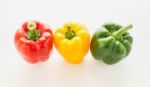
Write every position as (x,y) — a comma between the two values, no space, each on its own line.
(134,71)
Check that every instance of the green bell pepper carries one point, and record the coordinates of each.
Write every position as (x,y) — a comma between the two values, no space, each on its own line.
(111,43)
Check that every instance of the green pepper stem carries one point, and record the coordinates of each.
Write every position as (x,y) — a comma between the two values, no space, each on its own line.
(122,30)
(69,34)
(33,33)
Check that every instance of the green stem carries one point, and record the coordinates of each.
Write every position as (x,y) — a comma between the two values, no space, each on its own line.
(122,30)
(33,33)
(70,34)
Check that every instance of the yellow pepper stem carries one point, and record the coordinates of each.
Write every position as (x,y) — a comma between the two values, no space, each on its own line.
(70,34)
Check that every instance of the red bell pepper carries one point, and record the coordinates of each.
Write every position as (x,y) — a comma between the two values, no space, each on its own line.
(34,41)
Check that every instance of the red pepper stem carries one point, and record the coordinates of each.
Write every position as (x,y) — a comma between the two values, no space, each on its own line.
(69,34)
(122,30)
(33,33)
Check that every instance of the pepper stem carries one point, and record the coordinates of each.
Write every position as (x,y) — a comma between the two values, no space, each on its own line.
(33,33)
(69,34)
(122,30)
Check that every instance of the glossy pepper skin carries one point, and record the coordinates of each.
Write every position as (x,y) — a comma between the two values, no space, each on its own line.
(72,40)
(34,41)
(111,43)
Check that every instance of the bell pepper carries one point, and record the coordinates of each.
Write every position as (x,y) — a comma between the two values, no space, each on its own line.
(34,41)
(111,43)
(72,40)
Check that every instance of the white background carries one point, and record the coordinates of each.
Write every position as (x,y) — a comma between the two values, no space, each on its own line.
(134,71)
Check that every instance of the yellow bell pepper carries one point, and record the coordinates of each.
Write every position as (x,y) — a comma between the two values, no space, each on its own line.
(72,40)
